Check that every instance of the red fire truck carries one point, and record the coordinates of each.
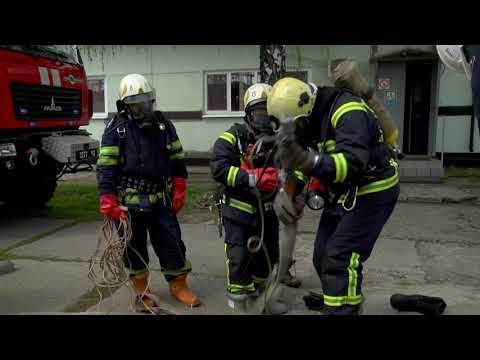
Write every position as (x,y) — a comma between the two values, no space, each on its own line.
(44,100)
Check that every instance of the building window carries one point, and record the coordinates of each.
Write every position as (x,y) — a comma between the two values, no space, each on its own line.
(97,85)
(240,82)
(300,75)
(217,92)
(303,75)
(225,91)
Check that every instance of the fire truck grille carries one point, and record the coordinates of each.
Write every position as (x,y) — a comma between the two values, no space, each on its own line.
(41,102)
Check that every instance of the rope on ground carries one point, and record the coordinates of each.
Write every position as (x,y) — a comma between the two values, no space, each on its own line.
(107,269)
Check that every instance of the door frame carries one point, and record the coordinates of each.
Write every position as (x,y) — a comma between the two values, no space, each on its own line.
(434,96)
(433,59)
(433,113)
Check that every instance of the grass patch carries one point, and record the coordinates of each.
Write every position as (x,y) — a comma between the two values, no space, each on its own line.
(71,201)
(192,211)
(5,255)
(196,193)
(80,202)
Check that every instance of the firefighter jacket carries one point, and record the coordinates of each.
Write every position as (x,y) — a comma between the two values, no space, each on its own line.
(229,151)
(347,134)
(136,163)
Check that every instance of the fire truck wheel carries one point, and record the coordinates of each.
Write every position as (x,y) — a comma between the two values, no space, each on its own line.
(32,188)
(41,193)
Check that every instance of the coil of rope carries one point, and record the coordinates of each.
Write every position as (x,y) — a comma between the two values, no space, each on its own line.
(107,269)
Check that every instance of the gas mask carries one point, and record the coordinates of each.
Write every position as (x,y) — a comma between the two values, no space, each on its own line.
(259,121)
(141,108)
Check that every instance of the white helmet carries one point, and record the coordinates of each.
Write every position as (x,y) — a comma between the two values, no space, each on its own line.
(314,88)
(134,84)
(256,94)
(137,95)
(453,56)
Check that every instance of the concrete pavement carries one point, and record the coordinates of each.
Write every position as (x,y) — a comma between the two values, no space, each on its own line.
(430,247)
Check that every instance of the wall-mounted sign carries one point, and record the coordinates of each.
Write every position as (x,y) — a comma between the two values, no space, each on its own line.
(390,98)
(383,84)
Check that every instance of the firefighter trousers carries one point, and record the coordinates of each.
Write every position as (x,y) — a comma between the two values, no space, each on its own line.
(162,226)
(245,270)
(344,241)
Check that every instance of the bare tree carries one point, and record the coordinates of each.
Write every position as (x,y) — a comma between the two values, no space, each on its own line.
(272,63)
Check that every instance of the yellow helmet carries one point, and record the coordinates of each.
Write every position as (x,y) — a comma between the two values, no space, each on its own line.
(256,94)
(290,99)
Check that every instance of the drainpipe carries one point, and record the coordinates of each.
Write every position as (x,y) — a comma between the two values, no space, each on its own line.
(373,64)
(443,139)
(472,130)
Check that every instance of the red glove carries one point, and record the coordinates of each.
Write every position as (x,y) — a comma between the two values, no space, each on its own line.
(316,185)
(110,208)
(179,192)
(269,181)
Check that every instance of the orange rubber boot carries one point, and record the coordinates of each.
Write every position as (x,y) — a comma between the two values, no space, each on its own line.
(143,301)
(180,291)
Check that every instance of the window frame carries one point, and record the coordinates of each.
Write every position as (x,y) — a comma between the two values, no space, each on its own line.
(228,113)
(101,115)
(308,70)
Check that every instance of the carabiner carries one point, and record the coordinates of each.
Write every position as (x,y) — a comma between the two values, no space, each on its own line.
(354,200)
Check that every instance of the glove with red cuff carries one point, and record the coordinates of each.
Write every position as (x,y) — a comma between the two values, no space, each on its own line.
(269,181)
(178,193)
(110,208)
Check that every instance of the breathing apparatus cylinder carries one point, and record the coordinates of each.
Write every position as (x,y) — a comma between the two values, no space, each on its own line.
(347,75)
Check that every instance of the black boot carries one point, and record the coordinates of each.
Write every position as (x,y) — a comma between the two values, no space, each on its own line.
(314,301)
(425,305)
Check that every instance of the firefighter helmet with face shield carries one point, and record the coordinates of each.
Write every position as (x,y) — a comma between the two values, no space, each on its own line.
(255,100)
(138,97)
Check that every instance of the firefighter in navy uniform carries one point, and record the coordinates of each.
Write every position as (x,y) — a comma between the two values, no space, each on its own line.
(237,166)
(142,167)
(358,170)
